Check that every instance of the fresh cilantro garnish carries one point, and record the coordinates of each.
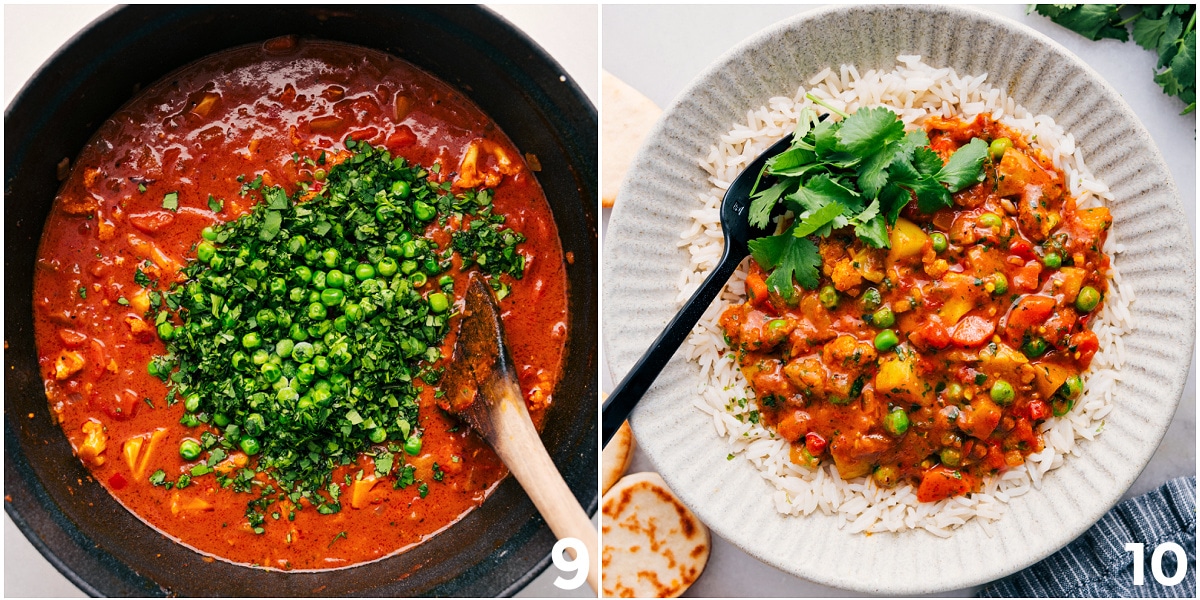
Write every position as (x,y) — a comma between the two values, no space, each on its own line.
(171,201)
(215,204)
(858,172)
(1169,30)
(83,292)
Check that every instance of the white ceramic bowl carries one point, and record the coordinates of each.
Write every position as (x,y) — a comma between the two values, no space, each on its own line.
(642,262)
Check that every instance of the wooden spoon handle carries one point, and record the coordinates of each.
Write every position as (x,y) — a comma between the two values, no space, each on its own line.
(520,447)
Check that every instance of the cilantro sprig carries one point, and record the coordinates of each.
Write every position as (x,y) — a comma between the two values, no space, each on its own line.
(858,172)
(1166,29)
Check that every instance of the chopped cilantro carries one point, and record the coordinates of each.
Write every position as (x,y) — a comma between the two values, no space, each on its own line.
(171,201)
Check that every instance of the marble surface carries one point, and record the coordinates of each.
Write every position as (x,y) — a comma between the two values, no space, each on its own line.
(659,49)
(32,33)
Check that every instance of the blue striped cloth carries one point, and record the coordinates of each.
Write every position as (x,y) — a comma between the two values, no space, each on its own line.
(1097,564)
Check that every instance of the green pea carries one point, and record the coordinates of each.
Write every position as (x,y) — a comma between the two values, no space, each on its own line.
(886,476)
(387,266)
(989,220)
(320,280)
(330,258)
(322,397)
(951,457)
(1052,260)
(954,391)
(883,318)
(251,340)
(284,347)
(364,271)
(1002,392)
(424,211)
(321,364)
(209,233)
(886,340)
(260,357)
(408,267)
(303,352)
(189,449)
(297,333)
(1034,347)
(317,311)
(412,445)
(205,251)
(271,372)
(871,299)
(999,284)
(401,188)
(305,373)
(438,302)
(297,294)
(313,296)
(239,359)
(265,318)
(341,324)
(278,286)
(220,420)
(312,256)
(297,244)
(192,402)
(347,266)
(1088,299)
(998,147)
(939,242)
(896,422)
(410,249)
(1071,388)
(776,327)
(354,312)
(249,446)
(828,297)
(287,395)
(339,383)
(419,280)
(393,251)
(166,331)
(445,280)
(303,273)
(378,435)
(336,279)
(332,297)
(1061,406)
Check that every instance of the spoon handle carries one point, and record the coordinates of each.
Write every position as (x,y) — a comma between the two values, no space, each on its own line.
(518,444)
(639,379)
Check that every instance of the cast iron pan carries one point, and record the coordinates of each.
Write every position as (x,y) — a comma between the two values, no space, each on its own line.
(72,520)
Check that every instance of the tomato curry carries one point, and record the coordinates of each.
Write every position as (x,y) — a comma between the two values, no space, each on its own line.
(175,162)
(935,360)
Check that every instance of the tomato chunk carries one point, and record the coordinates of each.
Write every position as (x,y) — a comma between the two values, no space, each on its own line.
(1030,312)
(973,331)
(940,483)
(1086,345)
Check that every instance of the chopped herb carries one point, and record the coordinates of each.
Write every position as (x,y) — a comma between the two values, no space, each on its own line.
(215,204)
(83,292)
(337,537)
(171,201)
(123,301)
(858,172)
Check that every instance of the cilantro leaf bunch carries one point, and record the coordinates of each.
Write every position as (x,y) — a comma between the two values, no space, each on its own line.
(858,172)
(1167,29)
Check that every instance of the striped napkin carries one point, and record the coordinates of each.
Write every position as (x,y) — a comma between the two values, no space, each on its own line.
(1097,563)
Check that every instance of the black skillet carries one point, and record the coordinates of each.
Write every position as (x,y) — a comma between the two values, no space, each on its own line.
(73,521)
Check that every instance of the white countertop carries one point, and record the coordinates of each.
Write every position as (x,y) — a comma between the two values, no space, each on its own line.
(33,33)
(659,50)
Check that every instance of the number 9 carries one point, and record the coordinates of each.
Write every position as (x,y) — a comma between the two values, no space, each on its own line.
(579,565)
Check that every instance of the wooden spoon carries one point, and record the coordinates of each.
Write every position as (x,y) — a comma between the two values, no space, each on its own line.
(482,389)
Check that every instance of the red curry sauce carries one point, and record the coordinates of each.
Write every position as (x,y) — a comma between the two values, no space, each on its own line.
(246,111)
(989,337)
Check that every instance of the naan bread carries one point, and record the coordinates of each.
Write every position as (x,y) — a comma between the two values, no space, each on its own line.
(653,546)
(627,118)
(616,457)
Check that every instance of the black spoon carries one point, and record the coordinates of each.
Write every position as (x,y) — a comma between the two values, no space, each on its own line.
(738,233)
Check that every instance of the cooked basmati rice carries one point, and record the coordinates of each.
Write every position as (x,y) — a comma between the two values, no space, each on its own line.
(915,91)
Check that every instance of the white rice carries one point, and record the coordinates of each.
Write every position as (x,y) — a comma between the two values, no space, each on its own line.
(915,91)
